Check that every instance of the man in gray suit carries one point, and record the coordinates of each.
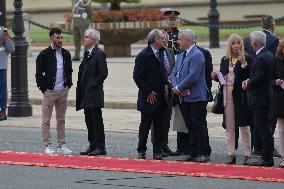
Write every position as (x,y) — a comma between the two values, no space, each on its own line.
(188,80)
(82,15)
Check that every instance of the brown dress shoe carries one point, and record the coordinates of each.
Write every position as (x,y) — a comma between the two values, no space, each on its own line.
(231,160)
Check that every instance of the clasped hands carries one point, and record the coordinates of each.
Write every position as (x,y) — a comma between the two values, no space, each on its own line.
(180,93)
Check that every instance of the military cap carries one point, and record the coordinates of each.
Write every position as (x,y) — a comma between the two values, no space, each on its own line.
(171,13)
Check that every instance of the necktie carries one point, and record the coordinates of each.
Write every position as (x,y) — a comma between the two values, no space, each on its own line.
(86,55)
(183,56)
(163,59)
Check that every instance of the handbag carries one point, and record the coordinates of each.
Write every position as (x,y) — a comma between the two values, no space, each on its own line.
(218,106)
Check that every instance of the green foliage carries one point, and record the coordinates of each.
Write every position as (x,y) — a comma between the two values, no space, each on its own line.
(41,36)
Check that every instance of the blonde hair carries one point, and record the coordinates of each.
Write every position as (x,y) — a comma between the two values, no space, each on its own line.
(230,39)
(279,53)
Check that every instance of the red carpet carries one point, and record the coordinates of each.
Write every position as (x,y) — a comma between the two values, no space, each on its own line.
(143,166)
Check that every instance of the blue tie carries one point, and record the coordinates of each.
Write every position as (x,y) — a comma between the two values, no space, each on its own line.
(183,56)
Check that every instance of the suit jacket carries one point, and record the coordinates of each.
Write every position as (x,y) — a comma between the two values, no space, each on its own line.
(190,75)
(92,73)
(272,42)
(208,71)
(259,85)
(149,75)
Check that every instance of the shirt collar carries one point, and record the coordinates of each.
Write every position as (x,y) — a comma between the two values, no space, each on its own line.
(189,49)
(258,51)
(91,49)
(267,31)
(57,50)
(154,50)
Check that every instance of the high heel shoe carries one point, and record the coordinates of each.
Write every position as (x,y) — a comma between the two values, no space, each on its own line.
(246,160)
(231,160)
(281,165)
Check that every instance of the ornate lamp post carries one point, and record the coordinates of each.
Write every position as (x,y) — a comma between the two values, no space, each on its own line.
(3,13)
(213,17)
(19,105)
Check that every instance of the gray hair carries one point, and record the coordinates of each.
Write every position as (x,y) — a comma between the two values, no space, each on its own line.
(94,34)
(166,35)
(267,21)
(153,35)
(259,37)
(189,34)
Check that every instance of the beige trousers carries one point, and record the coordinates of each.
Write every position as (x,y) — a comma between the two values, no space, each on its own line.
(58,99)
(281,135)
(230,127)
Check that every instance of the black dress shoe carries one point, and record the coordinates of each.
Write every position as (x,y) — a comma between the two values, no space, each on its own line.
(275,153)
(141,155)
(168,151)
(231,160)
(256,153)
(97,152)
(157,156)
(87,151)
(190,158)
(262,162)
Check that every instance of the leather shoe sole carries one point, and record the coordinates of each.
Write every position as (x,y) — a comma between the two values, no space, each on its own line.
(97,152)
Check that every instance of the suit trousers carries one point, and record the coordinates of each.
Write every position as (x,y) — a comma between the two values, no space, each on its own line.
(262,130)
(95,126)
(194,114)
(58,99)
(158,118)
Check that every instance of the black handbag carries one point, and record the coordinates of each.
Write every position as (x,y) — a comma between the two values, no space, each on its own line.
(218,105)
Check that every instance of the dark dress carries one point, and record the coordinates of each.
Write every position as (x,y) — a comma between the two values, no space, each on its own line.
(277,101)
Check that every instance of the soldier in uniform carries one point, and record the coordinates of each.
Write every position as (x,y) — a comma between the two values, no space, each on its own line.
(172,30)
(82,14)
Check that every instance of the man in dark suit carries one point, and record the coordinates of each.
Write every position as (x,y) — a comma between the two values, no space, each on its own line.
(150,77)
(189,83)
(260,91)
(272,42)
(167,58)
(89,92)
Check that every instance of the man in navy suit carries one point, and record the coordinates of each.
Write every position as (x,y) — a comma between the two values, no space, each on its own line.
(272,42)
(268,27)
(189,83)
(150,77)
(260,91)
